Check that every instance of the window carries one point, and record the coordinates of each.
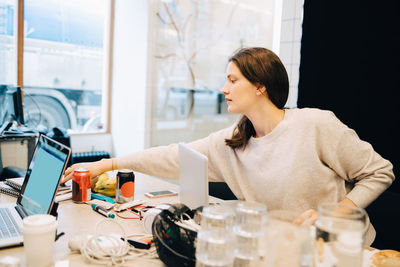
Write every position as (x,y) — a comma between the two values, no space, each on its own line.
(192,43)
(64,62)
(8,67)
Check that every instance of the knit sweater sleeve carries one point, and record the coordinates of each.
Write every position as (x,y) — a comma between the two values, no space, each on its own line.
(160,161)
(354,160)
(163,161)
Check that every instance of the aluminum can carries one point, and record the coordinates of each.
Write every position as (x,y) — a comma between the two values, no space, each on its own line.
(81,190)
(125,191)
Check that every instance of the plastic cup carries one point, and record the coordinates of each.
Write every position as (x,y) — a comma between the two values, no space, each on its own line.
(39,233)
(217,216)
(215,240)
(340,235)
(288,243)
(249,224)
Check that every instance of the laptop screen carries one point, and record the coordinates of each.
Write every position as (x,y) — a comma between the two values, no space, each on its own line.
(43,176)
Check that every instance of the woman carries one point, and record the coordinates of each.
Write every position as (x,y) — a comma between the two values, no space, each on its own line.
(293,159)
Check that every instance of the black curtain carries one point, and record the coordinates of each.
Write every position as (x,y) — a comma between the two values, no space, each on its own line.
(350,64)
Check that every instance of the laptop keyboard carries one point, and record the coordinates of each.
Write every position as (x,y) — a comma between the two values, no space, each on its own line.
(8,226)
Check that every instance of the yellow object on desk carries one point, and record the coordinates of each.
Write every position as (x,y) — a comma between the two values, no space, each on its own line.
(105,185)
(386,258)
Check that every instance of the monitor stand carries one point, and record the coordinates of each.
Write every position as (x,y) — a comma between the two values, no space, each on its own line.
(10,128)
(5,127)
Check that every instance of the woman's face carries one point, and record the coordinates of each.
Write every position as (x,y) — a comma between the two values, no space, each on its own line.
(240,93)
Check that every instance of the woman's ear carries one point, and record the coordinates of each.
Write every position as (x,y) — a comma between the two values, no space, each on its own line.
(261,89)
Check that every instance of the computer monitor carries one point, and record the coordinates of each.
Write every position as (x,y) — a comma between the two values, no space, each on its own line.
(18,106)
(3,104)
(11,104)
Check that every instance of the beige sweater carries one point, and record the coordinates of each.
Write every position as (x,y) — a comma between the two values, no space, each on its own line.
(309,158)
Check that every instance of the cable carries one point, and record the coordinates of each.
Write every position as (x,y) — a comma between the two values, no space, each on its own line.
(37,106)
(136,211)
(127,218)
(150,214)
(110,250)
(186,215)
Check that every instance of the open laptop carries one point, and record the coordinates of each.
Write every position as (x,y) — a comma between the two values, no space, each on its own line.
(38,190)
(193,177)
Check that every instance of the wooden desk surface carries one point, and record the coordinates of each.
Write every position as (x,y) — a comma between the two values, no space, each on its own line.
(80,219)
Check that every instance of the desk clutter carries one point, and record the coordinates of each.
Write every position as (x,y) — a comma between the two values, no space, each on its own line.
(245,234)
(12,187)
(235,234)
(8,190)
(112,249)
(231,233)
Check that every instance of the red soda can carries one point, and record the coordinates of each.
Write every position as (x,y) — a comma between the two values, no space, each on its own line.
(81,190)
(125,186)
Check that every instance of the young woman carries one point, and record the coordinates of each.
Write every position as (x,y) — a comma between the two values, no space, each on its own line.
(293,159)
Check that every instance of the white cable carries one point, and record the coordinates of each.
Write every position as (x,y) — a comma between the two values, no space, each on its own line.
(150,215)
(110,250)
(186,215)
(148,218)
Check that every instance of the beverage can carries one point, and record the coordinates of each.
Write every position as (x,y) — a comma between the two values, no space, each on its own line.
(125,190)
(81,190)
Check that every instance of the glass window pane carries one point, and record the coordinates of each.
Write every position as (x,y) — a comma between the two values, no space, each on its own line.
(192,43)
(8,62)
(63,63)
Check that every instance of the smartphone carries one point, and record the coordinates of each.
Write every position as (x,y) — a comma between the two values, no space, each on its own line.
(163,193)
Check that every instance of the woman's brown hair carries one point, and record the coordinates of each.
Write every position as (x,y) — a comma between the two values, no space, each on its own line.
(260,66)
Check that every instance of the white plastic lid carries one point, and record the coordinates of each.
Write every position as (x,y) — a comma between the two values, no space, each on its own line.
(39,223)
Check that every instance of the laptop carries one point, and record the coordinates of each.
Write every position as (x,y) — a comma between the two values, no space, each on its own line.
(38,190)
(193,177)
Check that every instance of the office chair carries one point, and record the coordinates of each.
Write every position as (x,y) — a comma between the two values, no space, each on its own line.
(220,190)
(11,172)
(15,171)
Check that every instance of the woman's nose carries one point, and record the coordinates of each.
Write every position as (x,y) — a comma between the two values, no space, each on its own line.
(225,89)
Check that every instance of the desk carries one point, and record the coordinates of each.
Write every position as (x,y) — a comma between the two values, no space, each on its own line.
(80,219)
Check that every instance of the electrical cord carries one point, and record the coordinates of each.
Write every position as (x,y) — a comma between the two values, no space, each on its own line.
(37,106)
(136,210)
(116,252)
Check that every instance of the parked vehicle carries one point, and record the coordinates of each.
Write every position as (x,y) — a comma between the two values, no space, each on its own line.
(63,62)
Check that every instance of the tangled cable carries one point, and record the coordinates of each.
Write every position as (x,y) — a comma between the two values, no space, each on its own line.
(110,249)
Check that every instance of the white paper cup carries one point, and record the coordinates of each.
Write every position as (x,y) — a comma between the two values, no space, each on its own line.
(39,236)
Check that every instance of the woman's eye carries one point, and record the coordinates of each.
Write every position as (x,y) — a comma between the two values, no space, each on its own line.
(233,81)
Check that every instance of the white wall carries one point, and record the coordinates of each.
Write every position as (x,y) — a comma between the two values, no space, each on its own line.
(289,52)
(128,106)
(91,142)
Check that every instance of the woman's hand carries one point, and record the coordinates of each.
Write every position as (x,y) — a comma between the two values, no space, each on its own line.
(312,215)
(96,168)
(309,216)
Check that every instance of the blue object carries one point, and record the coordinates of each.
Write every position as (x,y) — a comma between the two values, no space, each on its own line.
(103,211)
(101,197)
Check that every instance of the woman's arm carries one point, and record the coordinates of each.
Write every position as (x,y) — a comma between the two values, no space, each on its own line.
(354,160)
(96,168)
(160,161)
(348,202)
